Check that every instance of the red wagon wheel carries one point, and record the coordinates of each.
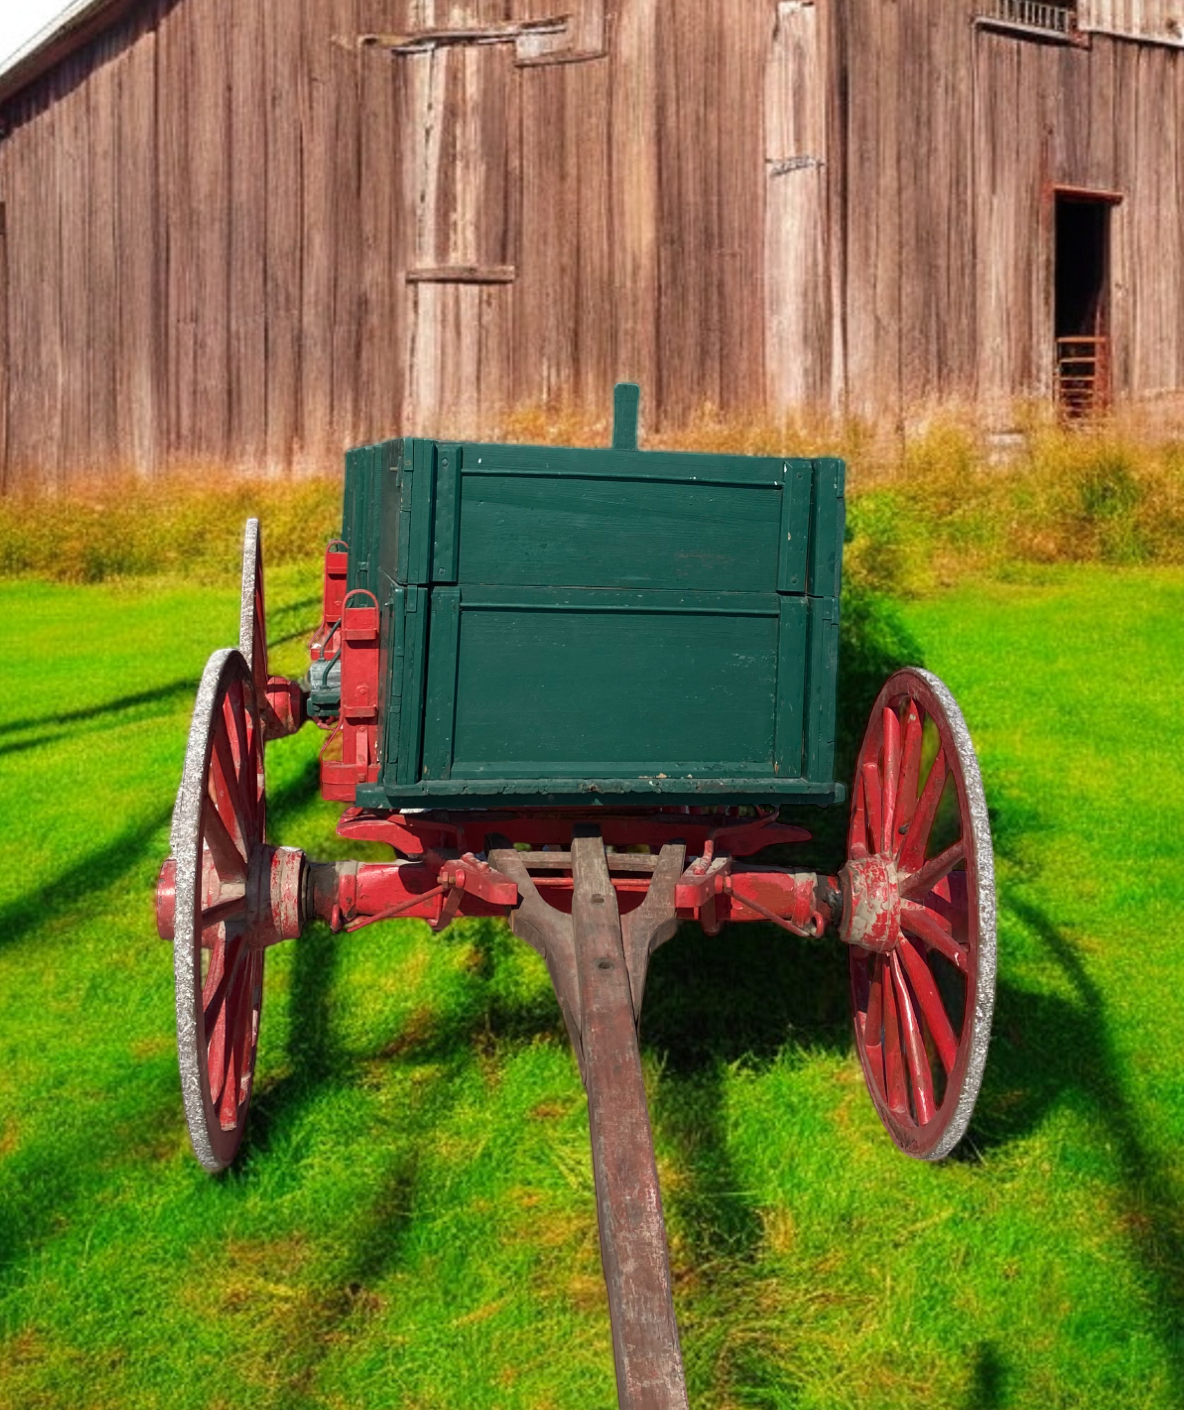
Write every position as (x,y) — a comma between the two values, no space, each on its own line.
(919,914)
(218,847)
(252,626)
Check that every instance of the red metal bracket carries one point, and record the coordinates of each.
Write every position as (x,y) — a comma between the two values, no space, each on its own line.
(360,655)
(325,639)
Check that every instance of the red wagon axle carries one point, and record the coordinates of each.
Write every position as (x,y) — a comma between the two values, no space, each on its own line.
(594,891)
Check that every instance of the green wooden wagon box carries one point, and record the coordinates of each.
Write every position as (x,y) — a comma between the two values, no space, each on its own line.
(563,626)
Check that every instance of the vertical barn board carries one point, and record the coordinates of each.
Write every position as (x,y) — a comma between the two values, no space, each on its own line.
(997,110)
(317,252)
(385,252)
(98,254)
(73,174)
(736,94)
(868,127)
(5,482)
(589,159)
(287,80)
(546,306)
(884,192)
(797,159)
(690,235)
(247,207)
(207,40)
(634,187)
(141,332)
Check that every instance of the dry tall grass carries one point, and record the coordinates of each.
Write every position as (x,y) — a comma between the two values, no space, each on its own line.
(930,500)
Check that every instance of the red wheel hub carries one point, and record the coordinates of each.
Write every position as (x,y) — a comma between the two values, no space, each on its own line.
(871,904)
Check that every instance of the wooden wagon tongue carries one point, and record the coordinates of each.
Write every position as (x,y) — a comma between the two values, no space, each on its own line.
(597,961)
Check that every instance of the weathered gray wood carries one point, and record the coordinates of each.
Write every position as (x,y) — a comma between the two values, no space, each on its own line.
(240,237)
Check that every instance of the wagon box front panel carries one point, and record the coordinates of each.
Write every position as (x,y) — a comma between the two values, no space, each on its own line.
(560,624)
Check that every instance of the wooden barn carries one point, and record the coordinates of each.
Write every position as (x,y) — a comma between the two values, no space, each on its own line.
(246,233)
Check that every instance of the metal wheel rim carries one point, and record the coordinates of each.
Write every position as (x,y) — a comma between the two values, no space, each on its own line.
(214,1145)
(938,1137)
(252,622)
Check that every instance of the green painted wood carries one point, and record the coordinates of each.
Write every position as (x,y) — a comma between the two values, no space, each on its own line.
(594,684)
(440,713)
(590,530)
(822,656)
(828,521)
(415,614)
(789,713)
(446,523)
(794,543)
(606,792)
(626,404)
(563,624)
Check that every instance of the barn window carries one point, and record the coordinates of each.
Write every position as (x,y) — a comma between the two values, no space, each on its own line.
(1046,18)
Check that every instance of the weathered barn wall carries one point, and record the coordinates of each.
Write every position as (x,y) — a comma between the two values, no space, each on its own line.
(237,236)
(956,136)
(250,234)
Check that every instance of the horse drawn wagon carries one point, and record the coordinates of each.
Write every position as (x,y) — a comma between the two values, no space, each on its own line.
(573,688)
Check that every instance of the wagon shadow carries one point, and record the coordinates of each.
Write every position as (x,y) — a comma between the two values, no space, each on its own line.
(122,705)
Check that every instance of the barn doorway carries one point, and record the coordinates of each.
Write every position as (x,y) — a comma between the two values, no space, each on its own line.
(1081,303)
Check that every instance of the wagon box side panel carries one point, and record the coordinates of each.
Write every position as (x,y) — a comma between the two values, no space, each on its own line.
(599,683)
(543,517)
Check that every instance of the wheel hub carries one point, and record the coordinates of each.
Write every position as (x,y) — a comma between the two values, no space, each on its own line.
(871,903)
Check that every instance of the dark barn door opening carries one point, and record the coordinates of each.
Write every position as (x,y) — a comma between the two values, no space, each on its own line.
(1081,303)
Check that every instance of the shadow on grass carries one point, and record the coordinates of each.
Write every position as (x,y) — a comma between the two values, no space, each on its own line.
(73,888)
(119,706)
(1047,1050)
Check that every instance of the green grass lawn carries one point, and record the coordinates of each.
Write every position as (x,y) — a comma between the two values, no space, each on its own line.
(411,1223)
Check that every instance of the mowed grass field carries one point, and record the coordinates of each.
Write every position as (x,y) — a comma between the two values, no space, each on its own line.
(411,1222)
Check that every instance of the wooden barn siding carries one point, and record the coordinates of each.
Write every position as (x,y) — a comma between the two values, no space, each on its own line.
(213,210)
(955,138)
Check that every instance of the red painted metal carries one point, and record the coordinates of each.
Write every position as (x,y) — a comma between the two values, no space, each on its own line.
(325,640)
(357,729)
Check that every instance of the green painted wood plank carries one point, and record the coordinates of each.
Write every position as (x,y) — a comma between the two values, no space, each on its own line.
(794,543)
(679,467)
(572,531)
(416,613)
(626,403)
(419,565)
(828,521)
(391,742)
(567,599)
(440,709)
(446,521)
(585,792)
(791,688)
(408,458)
(822,671)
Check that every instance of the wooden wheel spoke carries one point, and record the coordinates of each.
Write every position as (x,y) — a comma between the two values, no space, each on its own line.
(910,774)
(914,1047)
(236,723)
(890,775)
(873,802)
(228,794)
(894,1079)
(922,882)
(240,1010)
(229,855)
(933,1010)
(857,831)
(916,920)
(873,1022)
(213,1004)
(224,909)
(916,840)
